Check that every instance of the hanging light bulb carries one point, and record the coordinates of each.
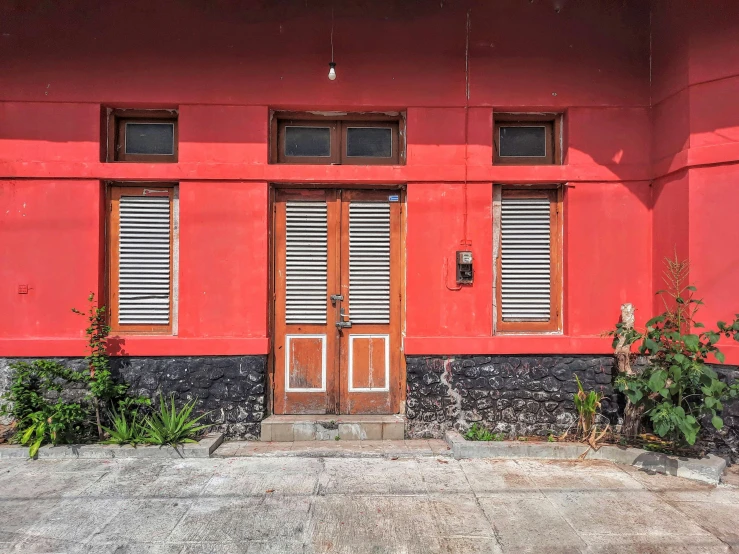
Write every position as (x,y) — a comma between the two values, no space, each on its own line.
(332,65)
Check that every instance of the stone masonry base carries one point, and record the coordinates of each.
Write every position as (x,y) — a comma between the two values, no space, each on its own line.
(230,388)
(513,395)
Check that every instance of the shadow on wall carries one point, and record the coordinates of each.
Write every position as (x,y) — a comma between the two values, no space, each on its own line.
(520,55)
(262,53)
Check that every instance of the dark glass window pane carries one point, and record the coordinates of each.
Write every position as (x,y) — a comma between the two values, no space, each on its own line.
(150,138)
(369,142)
(523,142)
(308,141)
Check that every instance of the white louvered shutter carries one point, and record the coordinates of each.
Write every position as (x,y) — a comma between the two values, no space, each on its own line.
(144,260)
(369,262)
(306,262)
(525,259)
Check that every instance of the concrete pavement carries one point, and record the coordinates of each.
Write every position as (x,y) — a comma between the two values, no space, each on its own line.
(357,505)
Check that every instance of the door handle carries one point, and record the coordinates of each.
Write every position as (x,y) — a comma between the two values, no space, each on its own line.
(341,324)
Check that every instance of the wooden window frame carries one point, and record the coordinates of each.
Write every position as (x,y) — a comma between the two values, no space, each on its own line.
(365,160)
(552,124)
(116,134)
(115,191)
(331,159)
(339,125)
(555,195)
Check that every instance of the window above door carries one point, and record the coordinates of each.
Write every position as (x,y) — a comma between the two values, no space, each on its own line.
(527,139)
(351,139)
(141,135)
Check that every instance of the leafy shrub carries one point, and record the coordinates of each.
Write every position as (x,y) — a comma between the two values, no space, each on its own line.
(42,417)
(40,420)
(479,433)
(57,423)
(30,383)
(170,426)
(677,387)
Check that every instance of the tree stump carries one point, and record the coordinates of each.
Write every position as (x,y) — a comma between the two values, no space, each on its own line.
(632,413)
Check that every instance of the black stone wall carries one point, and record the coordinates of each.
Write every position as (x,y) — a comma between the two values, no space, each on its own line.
(508,394)
(231,388)
(514,395)
(730,374)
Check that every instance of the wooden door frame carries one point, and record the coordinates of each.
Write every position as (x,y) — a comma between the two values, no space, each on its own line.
(272,297)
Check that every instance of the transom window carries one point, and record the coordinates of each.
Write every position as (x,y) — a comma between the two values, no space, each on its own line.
(141,136)
(357,139)
(527,139)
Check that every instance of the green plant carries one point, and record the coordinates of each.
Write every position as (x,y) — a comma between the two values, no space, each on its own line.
(125,429)
(41,414)
(551,438)
(587,405)
(30,383)
(172,426)
(677,388)
(40,420)
(478,433)
(103,389)
(55,423)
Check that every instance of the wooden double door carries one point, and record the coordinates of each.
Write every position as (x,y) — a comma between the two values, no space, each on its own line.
(337,302)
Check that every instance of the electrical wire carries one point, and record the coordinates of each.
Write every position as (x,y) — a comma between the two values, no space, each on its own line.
(465,240)
(332,34)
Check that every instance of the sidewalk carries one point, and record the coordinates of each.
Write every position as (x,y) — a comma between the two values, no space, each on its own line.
(410,505)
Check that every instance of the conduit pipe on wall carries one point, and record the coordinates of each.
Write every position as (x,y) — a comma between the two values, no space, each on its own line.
(465,242)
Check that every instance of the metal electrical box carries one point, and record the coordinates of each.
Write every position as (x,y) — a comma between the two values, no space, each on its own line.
(464,267)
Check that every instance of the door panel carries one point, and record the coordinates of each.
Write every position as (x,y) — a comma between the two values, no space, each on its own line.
(305,334)
(370,266)
(369,363)
(306,363)
(337,302)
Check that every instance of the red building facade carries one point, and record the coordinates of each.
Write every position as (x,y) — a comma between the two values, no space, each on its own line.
(645,92)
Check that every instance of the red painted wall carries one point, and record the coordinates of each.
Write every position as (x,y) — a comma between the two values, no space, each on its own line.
(696,150)
(50,243)
(714,240)
(435,230)
(223,259)
(610,222)
(225,66)
(670,227)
